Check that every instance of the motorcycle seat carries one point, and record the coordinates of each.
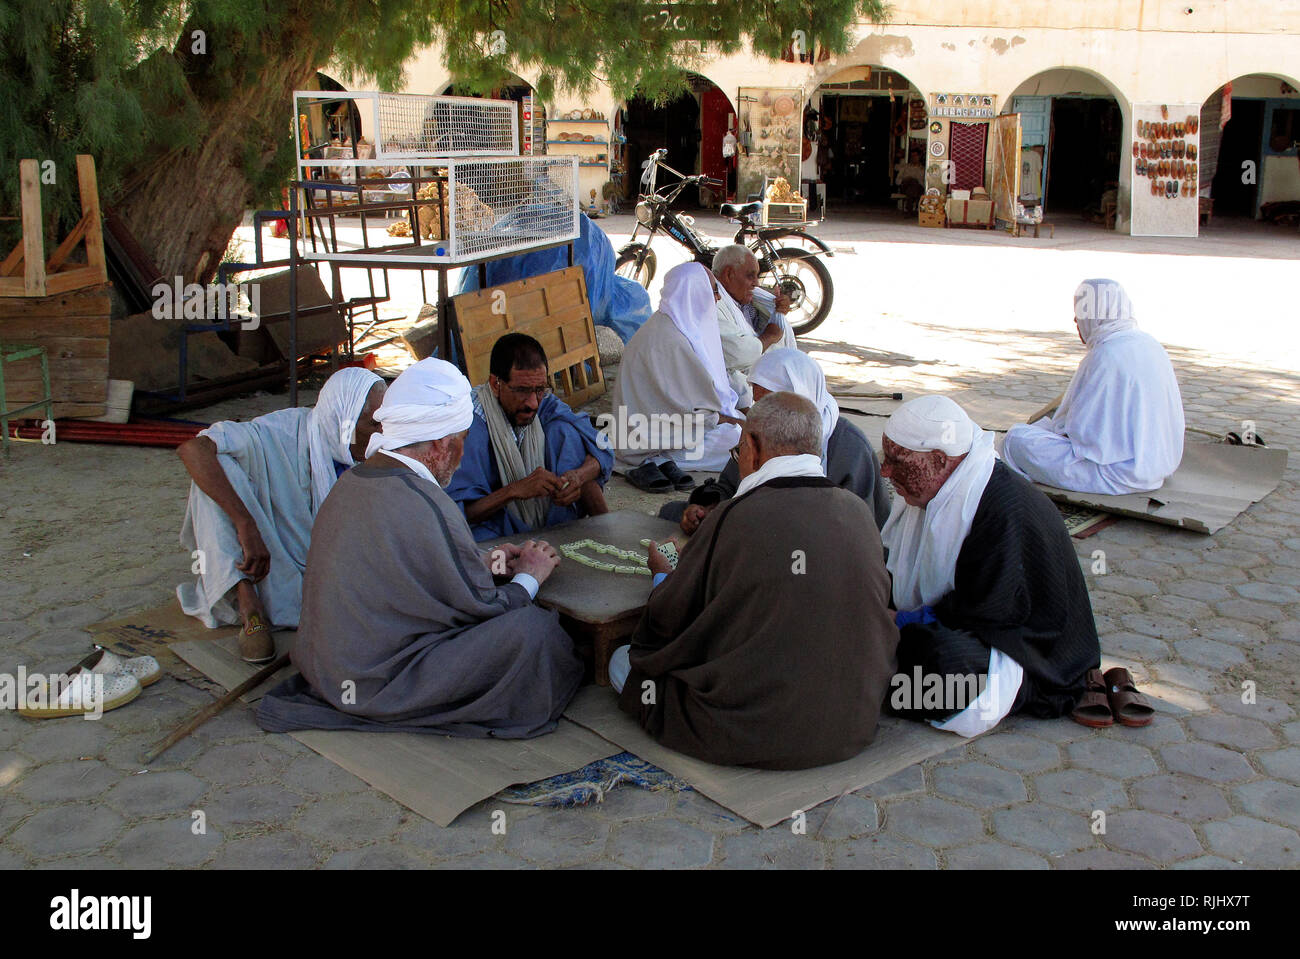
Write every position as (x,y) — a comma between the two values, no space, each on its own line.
(737,211)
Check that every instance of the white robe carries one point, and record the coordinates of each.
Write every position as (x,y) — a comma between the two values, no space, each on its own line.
(661,375)
(1119,428)
(741,348)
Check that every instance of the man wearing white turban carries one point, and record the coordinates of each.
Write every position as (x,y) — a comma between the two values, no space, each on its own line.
(847,457)
(992,607)
(402,625)
(257,489)
(1119,426)
(672,377)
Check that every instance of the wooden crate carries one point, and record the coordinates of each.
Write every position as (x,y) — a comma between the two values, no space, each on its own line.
(74,329)
(796,212)
(551,308)
(930,211)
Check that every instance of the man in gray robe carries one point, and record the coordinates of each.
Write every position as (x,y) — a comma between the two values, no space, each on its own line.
(257,488)
(402,627)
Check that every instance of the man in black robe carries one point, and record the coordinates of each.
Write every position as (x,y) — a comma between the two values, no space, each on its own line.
(771,644)
(986,580)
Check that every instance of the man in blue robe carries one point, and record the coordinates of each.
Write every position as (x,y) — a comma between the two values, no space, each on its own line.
(530,461)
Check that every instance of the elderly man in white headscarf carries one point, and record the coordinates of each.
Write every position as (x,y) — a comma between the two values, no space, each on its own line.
(848,460)
(746,330)
(673,404)
(257,488)
(993,610)
(1119,426)
(402,625)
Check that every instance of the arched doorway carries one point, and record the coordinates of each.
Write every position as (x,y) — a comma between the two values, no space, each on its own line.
(1072,129)
(532,125)
(1249,134)
(863,140)
(691,126)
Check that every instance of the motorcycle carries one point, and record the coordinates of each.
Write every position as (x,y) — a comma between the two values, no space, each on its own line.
(795,271)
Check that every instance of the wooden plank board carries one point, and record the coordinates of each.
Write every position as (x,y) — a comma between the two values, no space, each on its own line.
(766,797)
(33,229)
(88,185)
(89,302)
(553,309)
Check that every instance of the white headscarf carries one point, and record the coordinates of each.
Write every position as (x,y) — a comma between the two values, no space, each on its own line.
(332,426)
(783,370)
(430,400)
(924,542)
(1102,308)
(687,300)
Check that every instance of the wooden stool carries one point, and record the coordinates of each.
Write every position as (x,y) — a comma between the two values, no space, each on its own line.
(12,353)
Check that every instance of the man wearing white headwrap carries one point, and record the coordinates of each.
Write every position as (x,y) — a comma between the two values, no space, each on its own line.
(992,606)
(673,384)
(847,457)
(1119,426)
(402,625)
(257,488)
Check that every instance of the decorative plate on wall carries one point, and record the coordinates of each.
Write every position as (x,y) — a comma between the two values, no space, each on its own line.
(937,148)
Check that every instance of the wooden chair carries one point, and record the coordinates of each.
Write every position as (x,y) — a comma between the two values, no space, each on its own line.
(12,353)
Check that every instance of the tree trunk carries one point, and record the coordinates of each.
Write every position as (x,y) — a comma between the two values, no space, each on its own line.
(184,207)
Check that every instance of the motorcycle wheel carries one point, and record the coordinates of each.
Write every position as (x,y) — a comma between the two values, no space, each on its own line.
(805,279)
(626,265)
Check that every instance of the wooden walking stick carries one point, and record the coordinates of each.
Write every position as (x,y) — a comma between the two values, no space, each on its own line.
(1047,410)
(210,710)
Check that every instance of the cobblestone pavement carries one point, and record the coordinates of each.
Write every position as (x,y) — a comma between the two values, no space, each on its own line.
(87,533)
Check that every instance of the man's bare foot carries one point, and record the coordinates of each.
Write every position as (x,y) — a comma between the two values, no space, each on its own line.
(255,642)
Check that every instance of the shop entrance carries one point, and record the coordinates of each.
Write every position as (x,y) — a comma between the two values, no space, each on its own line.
(1234,193)
(861,127)
(674,125)
(1083,153)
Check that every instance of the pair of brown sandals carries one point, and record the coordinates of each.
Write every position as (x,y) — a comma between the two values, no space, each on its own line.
(1112,697)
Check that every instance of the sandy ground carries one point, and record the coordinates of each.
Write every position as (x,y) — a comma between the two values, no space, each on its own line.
(90,532)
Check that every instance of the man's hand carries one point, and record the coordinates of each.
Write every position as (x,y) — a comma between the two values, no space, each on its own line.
(540,482)
(570,488)
(693,517)
(656,560)
(537,558)
(771,335)
(782,304)
(257,558)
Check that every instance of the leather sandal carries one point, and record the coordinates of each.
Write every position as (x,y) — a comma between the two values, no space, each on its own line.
(681,480)
(1129,706)
(649,478)
(1093,708)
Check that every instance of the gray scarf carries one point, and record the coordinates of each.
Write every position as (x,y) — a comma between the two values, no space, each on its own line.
(515,460)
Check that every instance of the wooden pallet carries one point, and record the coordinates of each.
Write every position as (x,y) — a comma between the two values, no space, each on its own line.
(74,329)
(42,277)
(554,310)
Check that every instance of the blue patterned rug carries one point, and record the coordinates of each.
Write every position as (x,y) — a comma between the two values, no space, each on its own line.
(592,782)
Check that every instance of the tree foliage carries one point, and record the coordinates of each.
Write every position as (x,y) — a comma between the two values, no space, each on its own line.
(169,95)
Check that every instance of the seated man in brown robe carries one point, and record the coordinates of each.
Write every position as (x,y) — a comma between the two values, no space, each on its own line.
(771,644)
(402,626)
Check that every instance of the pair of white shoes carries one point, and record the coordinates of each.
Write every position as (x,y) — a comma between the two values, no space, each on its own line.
(100,682)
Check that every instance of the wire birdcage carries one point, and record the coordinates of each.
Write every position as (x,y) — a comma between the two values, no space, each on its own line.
(415,126)
(504,204)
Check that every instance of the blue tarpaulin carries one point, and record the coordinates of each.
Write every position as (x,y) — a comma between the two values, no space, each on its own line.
(616,302)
